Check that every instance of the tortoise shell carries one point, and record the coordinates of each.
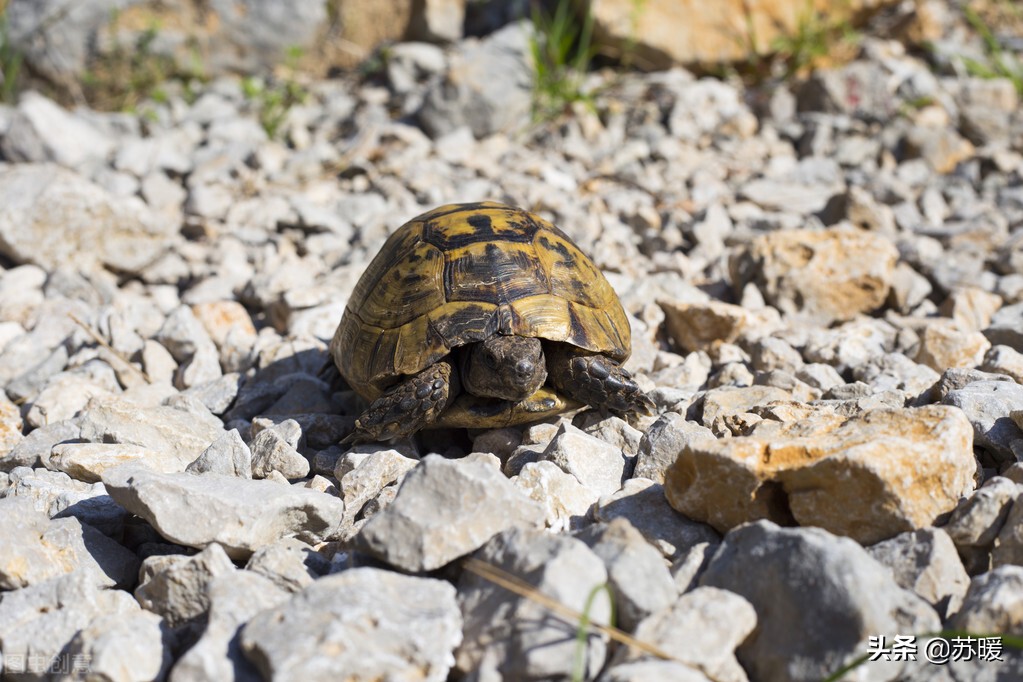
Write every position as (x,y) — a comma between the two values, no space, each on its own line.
(462,273)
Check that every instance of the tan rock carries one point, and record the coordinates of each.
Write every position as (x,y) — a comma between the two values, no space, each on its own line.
(943,148)
(659,33)
(722,403)
(701,326)
(87,461)
(823,275)
(971,308)
(942,346)
(10,425)
(1004,360)
(220,318)
(868,477)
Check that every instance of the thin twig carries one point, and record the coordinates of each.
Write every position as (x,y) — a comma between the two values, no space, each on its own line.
(515,584)
(101,341)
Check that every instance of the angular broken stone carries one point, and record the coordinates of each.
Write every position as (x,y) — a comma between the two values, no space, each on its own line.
(663,442)
(636,571)
(176,591)
(363,623)
(37,548)
(240,515)
(993,603)
(129,646)
(234,598)
(643,503)
(821,275)
(926,562)
(869,477)
(518,636)
(87,461)
(365,480)
(828,588)
(701,629)
(288,563)
(271,452)
(228,455)
(598,465)
(988,405)
(39,621)
(700,326)
(567,503)
(176,433)
(471,498)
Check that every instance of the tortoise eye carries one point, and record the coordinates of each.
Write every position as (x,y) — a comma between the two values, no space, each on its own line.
(489,360)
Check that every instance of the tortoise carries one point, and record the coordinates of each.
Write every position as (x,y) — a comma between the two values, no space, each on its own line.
(481,315)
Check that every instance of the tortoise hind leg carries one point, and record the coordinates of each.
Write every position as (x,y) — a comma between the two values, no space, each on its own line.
(596,380)
(407,407)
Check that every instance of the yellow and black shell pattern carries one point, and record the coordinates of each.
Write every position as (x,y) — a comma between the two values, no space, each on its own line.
(462,273)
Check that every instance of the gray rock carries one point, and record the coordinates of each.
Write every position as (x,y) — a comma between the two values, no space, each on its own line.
(238,514)
(1006,328)
(414,532)
(642,502)
(87,461)
(373,472)
(518,636)
(1009,543)
(701,629)
(217,394)
(598,465)
(363,623)
(289,563)
(52,217)
(131,647)
(987,405)
(687,568)
(57,495)
(272,452)
(34,449)
(410,63)
(993,603)
(849,598)
(567,503)
(38,622)
(37,548)
(42,131)
(469,95)
(234,598)
(227,455)
(176,433)
(979,518)
(176,589)
(614,431)
(926,562)
(663,442)
(1004,360)
(636,572)
(955,378)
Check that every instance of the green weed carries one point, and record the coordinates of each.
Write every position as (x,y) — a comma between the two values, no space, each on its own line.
(816,40)
(10,63)
(131,74)
(274,97)
(582,632)
(562,51)
(999,63)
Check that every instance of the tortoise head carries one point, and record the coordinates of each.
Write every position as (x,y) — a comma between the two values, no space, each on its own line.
(508,367)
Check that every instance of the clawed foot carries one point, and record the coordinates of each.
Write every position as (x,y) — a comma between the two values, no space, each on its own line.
(406,408)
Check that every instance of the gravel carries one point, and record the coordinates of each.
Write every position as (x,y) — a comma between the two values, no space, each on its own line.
(825,290)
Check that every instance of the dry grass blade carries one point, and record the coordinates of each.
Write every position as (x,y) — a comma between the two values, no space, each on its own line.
(513,583)
(101,341)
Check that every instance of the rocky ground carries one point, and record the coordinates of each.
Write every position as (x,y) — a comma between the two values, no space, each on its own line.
(825,280)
